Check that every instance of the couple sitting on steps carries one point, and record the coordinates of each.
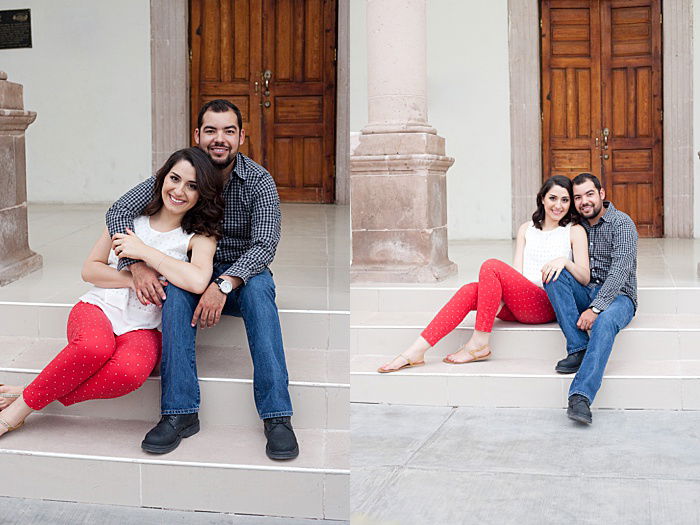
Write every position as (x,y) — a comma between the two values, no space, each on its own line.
(223,208)
(576,263)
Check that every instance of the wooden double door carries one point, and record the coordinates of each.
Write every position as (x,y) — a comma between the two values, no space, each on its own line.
(602,108)
(276,61)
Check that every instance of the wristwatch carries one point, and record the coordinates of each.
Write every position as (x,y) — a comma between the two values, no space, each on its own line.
(224,285)
(596,310)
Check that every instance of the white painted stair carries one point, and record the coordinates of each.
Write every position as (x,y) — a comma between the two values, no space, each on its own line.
(655,362)
(91,451)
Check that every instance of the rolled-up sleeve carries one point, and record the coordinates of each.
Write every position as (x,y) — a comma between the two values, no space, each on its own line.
(265,231)
(122,213)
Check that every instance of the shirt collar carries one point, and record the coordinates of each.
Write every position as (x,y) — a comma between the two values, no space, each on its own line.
(239,167)
(611,210)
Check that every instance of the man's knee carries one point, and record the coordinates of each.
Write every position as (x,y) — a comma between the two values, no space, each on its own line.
(175,297)
(563,281)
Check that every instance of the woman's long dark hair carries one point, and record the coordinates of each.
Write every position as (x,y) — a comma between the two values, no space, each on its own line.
(204,217)
(571,215)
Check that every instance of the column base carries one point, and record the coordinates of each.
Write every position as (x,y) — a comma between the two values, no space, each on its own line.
(14,270)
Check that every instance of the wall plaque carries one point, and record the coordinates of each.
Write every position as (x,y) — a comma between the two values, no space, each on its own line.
(15,29)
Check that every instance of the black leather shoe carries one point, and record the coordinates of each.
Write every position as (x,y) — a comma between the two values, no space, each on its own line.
(167,434)
(281,441)
(579,409)
(571,363)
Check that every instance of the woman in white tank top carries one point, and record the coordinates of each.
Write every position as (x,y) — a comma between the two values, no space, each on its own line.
(545,246)
(113,342)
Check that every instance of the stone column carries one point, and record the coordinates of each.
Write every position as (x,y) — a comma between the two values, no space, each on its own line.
(16,259)
(397,172)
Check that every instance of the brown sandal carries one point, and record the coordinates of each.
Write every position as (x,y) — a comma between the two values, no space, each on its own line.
(409,364)
(9,427)
(472,353)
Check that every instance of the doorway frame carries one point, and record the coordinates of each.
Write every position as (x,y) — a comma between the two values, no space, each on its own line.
(170,87)
(525,122)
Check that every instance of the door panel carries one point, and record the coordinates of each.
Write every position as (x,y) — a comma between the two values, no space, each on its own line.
(299,123)
(290,122)
(632,100)
(570,87)
(223,69)
(601,68)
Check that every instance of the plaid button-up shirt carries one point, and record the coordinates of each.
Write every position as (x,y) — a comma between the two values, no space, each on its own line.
(251,225)
(612,248)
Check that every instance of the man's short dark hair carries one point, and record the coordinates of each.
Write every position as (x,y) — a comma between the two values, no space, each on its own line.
(219,105)
(583,177)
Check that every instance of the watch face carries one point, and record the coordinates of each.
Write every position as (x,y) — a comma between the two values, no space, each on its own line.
(225,286)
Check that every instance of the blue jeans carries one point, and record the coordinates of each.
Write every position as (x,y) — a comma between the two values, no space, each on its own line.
(569,299)
(255,303)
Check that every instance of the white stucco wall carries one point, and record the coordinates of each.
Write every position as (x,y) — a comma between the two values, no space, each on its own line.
(88,77)
(468,103)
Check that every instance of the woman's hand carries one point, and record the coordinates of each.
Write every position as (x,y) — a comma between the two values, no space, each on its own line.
(551,270)
(128,245)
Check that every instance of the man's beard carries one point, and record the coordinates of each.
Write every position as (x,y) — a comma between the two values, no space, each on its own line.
(221,164)
(593,213)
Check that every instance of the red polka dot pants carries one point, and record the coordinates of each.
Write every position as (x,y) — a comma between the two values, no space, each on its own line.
(523,301)
(96,364)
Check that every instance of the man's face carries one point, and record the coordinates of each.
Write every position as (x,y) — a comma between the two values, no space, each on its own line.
(219,137)
(588,200)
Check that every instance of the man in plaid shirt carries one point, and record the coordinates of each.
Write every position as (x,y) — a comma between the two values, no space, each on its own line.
(242,285)
(606,305)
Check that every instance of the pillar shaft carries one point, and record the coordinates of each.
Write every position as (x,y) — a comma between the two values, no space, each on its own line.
(397,66)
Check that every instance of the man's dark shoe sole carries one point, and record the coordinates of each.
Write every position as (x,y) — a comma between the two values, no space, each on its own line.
(579,417)
(566,369)
(282,455)
(164,449)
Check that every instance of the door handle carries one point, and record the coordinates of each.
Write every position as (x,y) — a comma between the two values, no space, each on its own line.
(606,133)
(267,75)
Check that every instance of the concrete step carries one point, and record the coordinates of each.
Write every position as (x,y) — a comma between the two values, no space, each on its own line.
(648,337)
(525,382)
(319,385)
(221,469)
(652,300)
(305,329)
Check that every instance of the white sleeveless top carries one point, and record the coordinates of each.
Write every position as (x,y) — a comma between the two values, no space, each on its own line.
(121,305)
(543,246)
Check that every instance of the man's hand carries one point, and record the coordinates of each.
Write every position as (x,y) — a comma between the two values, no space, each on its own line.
(208,311)
(146,284)
(585,322)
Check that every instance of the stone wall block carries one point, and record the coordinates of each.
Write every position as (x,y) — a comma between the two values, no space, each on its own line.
(397,201)
(400,144)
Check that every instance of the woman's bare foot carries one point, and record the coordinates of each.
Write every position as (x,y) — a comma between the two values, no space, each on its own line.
(8,394)
(412,356)
(468,353)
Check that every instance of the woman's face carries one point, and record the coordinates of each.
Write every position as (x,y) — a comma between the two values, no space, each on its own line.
(180,192)
(556,203)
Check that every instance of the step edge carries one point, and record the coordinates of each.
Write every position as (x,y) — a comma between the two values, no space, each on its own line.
(313,384)
(453,289)
(532,376)
(229,466)
(280,310)
(524,328)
